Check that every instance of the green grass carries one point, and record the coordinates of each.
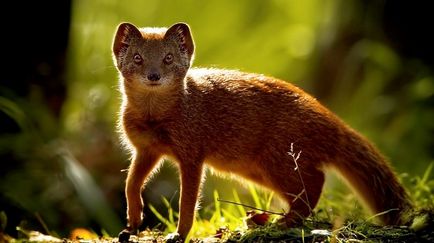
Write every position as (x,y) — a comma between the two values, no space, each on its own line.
(333,220)
(337,218)
(223,216)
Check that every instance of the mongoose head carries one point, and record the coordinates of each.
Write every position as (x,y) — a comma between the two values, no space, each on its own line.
(153,58)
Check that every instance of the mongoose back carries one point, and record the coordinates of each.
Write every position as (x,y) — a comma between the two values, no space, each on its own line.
(235,122)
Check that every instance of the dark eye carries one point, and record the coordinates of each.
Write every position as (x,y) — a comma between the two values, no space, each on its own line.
(138,59)
(168,59)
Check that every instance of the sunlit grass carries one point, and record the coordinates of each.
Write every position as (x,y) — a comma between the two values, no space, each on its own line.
(219,217)
(337,218)
(422,190)
(333,220)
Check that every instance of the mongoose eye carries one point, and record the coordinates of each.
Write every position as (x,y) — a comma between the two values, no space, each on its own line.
(168,59)
(138,59)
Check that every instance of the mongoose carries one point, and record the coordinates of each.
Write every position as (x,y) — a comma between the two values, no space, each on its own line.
(235,122)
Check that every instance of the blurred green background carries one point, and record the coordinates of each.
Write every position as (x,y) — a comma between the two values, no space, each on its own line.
(371,62)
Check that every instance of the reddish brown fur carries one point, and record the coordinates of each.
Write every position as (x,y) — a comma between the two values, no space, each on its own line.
(239,123)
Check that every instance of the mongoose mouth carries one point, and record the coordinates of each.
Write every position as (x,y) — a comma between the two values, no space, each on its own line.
(153,84)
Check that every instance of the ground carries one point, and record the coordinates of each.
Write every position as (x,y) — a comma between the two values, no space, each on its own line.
(311,231)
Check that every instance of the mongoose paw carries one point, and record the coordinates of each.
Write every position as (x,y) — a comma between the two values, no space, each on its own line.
(287,222)
(174,238)
(125,234)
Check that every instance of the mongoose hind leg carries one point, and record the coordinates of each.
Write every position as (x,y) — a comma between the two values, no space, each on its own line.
(301,191)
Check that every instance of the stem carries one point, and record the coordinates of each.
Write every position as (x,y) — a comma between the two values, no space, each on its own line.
(251,207)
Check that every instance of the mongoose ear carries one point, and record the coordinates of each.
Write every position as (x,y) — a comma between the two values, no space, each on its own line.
(181,33)
(124,36)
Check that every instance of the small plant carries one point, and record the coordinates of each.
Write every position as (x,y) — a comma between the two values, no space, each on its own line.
(295,156)
(169,222)
(422,189)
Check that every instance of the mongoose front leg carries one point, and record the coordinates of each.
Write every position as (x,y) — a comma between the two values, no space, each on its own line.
(191,176)
(142,165)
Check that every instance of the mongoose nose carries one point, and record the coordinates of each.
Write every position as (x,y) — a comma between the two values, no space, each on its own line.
(154,76)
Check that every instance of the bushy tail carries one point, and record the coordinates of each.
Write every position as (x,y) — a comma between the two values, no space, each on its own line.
(374,180)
